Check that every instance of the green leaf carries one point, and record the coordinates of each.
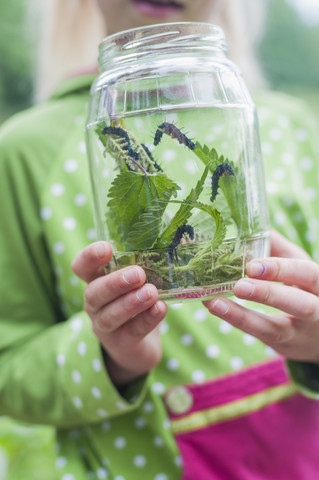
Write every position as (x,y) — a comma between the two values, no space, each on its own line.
(228,184)
(137,202)
(220,231)
(207,156)
(145,232)
(220,227)
(183,213)
(204,253)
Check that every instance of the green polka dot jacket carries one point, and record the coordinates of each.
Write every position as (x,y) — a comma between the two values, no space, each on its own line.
(52,370)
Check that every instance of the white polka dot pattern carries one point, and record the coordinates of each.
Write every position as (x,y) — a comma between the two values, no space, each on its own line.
(139,461)
(77,377)
(70,165)
(46,213)
(57,189)
(196,345)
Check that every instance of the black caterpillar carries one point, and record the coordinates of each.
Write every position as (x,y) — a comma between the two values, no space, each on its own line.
(174,132)
(148,153)
(221,170)
(120,132)
(189,230)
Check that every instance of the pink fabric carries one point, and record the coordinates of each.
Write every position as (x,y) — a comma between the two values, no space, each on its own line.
(280,441)
(237,385)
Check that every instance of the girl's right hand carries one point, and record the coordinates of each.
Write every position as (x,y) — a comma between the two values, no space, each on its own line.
(125,313)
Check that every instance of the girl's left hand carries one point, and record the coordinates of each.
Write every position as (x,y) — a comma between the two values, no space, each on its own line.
(287,281)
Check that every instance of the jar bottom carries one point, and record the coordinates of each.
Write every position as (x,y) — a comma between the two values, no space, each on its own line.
(199,293)
(195,271)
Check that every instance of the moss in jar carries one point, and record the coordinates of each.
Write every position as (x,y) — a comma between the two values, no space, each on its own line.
(167,247)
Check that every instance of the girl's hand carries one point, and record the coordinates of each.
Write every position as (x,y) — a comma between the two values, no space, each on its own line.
(125,313)
(288,281)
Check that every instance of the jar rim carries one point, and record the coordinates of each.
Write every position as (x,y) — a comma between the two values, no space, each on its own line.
(120,38)
(154,36)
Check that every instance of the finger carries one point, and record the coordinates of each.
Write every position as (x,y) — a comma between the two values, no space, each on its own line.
(136,345)
(298,303)
(104,290)
(303,274)
(141,325)
(270,329)
(282,247)
(115,314)
(89,262)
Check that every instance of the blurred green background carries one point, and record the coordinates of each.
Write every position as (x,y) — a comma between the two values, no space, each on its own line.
(17,58)
(289,57)
(288,52)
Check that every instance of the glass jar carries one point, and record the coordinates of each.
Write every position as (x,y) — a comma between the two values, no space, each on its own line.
(175,160)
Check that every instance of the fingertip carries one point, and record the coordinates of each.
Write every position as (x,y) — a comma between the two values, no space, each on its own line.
(244,288)
(133,275)
(87,262)
(159,309)
(255,269)
(218,306)
(141,273)
(153,290)
(103,250)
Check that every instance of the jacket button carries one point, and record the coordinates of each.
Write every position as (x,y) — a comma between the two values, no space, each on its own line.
(179,400)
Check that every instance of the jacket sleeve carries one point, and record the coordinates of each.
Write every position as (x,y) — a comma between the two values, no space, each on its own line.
(51,367)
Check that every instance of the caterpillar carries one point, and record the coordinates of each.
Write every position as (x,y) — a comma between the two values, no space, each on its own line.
(180,231)
(221,170)
(148,153)
(120,132)
(174,132)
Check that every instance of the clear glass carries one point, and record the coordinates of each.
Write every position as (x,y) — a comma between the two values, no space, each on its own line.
(175,160)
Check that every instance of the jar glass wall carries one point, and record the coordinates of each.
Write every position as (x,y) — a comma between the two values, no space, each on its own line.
(175,160)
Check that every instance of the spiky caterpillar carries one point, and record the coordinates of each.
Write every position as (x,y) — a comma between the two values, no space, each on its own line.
(180,232)
(221,170)
(148,153)
(174,132)
(127,146)
(120,132)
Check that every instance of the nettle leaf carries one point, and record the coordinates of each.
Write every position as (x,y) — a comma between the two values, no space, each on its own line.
(220,227)
(207,156)
(138,202)
(145,232)
(228,184)
(183,213)
(205,251)
(220,232)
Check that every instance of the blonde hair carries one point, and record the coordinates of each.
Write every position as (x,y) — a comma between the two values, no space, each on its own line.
(71,33)
(243,23)
(72,30)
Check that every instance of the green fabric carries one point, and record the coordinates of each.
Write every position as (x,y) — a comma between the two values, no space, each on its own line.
(51,364)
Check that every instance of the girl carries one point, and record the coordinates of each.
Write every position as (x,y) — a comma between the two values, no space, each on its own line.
(136,389)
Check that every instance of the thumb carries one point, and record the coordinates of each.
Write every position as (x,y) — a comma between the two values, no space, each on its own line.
(89,262)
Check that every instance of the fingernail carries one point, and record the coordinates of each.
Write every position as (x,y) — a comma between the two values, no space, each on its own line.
(256,269)
(131,276)
(220,307)
(244,288)
(155,310)
(100,249)
(144,294)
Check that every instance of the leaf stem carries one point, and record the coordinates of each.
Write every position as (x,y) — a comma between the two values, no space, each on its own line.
(139,166)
